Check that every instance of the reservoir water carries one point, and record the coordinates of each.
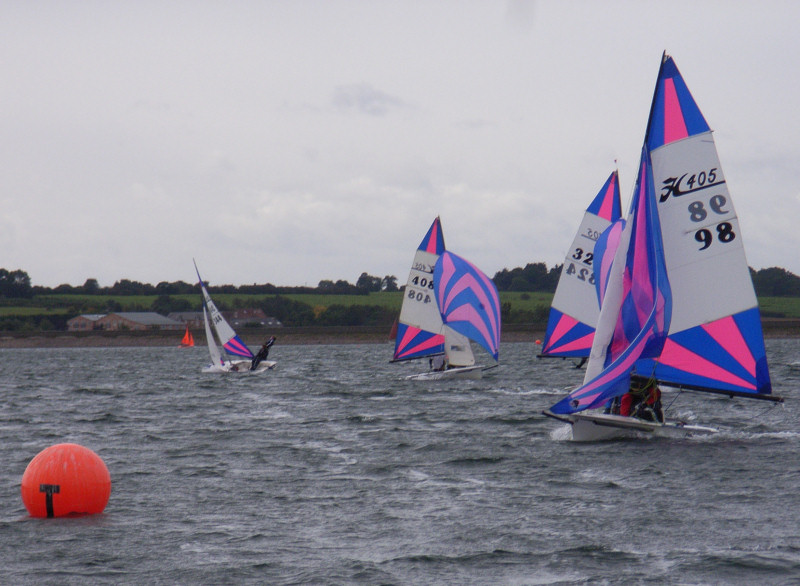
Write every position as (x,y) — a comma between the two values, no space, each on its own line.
(331,469)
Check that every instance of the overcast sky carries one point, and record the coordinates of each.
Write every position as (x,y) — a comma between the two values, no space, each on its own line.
(294,141)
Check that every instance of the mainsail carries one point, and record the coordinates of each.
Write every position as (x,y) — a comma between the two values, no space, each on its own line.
(715,339)
(420,325)
(575,307)
(680,305)
(227,336)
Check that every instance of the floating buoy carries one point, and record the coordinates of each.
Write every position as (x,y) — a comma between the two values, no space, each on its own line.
(65,479)
(538,341)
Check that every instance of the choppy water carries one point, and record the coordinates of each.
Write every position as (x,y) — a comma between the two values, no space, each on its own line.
(331,470)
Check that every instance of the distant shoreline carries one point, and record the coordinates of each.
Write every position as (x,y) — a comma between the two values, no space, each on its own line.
(166,339)
(773,328)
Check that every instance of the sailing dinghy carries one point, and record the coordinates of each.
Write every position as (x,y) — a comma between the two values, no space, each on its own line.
(679,308)
(188,339)
(232,344)
(575,306)
(447,303)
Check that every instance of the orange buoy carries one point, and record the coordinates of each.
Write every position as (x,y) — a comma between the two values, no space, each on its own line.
(65,479)
(538,341)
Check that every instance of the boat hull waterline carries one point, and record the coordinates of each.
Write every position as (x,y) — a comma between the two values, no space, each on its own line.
(239,366)
(591,427)
(459,372)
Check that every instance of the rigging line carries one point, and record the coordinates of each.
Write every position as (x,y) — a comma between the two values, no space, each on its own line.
(680,392)
(764,412)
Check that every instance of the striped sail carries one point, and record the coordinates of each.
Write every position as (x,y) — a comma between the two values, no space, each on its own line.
(574,311)
(468,301)
(715,339)
(230,341)
(696,289)
(420,324)
(636,310)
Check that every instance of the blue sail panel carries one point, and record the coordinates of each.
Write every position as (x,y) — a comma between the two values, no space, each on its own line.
(413,343)
(468,301)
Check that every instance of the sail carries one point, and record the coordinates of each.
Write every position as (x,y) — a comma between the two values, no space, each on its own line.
(420,324)
(230,341)
(213,350)
(457,348)
(468,301)
(604,251)
(635,315)
(715,338)
(710,313)
(188,339)
(574,311)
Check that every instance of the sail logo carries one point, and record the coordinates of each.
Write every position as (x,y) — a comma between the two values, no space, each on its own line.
(686,184)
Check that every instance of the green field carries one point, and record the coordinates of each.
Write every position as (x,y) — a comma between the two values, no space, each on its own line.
(787,307)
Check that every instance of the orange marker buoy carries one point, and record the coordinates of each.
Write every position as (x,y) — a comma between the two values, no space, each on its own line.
(538,341)
(65,479)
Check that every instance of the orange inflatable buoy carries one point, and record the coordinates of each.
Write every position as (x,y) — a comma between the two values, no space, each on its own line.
(538,341)
(65,479)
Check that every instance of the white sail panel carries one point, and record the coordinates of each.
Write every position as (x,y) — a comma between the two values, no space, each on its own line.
(576,294)
(419,308)
(457,348)
(704,251)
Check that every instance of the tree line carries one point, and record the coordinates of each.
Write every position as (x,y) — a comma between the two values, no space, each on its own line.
(770,282)
(16,290)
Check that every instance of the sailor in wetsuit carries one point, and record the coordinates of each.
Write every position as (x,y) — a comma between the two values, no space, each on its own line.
(263,353)
(643,400)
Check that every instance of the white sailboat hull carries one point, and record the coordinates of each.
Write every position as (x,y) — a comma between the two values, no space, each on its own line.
(239,366)
(592,427)
(474,372)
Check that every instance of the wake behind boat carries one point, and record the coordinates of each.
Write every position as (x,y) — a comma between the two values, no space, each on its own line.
(447,302)
(232,345)
(679,308)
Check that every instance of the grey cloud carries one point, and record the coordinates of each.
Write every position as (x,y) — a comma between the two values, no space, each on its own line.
(365,99)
